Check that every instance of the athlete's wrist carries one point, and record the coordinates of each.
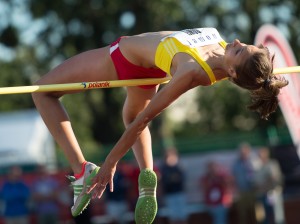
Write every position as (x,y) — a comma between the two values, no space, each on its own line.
(111,161)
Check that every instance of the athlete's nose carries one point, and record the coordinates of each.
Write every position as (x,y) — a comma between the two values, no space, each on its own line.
(236,42)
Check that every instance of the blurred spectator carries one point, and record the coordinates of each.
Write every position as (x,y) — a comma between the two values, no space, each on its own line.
(243,171)
(46,197)
(15,195)
(116,204)
(268,185)
(217,190)
(172,179)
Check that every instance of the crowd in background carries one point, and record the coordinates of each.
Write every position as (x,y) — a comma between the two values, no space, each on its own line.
(253,186)
(259,184)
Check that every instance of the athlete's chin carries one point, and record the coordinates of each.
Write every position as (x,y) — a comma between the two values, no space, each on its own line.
(228,46)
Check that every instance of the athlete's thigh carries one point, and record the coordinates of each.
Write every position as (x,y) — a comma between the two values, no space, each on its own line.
(137,100)
(93,65)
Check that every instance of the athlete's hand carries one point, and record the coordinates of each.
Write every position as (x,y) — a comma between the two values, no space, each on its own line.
(103,177)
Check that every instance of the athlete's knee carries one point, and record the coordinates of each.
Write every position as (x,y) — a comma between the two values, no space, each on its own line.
(129,113)
(35,95)
(43,96)
(127,116)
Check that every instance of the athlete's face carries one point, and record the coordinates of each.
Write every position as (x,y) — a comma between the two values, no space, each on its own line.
(237,53)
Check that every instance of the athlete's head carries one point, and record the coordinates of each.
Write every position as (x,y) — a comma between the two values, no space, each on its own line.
(251,67)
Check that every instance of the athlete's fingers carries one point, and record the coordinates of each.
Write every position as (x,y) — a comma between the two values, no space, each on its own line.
(93,185)
(98,192)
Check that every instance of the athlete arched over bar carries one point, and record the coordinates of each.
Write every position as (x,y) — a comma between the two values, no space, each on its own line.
(193,57)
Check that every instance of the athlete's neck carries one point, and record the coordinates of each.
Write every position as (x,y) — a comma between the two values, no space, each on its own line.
(216,62)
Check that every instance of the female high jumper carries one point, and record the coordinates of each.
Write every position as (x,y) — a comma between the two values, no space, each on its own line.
(192,57)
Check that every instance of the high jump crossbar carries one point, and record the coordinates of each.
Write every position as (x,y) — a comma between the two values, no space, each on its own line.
(108,84)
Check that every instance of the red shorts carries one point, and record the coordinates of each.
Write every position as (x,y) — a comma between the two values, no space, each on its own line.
(126,70)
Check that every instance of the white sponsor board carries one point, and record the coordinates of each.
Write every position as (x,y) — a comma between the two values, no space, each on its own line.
(25,140)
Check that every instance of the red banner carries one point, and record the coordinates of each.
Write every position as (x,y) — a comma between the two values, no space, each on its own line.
(289,97)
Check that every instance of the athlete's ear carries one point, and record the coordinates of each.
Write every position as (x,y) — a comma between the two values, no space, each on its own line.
(231,72)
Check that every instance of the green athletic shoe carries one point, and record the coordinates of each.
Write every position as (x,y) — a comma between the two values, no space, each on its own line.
(80,186)
(146,207)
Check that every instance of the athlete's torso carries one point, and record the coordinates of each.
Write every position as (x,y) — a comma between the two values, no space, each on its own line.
(142,49)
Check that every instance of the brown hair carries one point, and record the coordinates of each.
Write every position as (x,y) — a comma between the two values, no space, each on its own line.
(256,75)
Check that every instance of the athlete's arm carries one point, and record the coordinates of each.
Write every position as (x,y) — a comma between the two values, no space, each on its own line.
(183,80)
(179,84)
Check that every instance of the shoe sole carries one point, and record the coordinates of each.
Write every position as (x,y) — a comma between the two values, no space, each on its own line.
(85,199)
(146,207)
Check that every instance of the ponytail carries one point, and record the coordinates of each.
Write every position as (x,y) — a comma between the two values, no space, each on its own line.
(265,99)
(256,75)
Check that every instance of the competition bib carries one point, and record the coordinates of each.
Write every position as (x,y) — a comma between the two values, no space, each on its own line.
(197,37)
